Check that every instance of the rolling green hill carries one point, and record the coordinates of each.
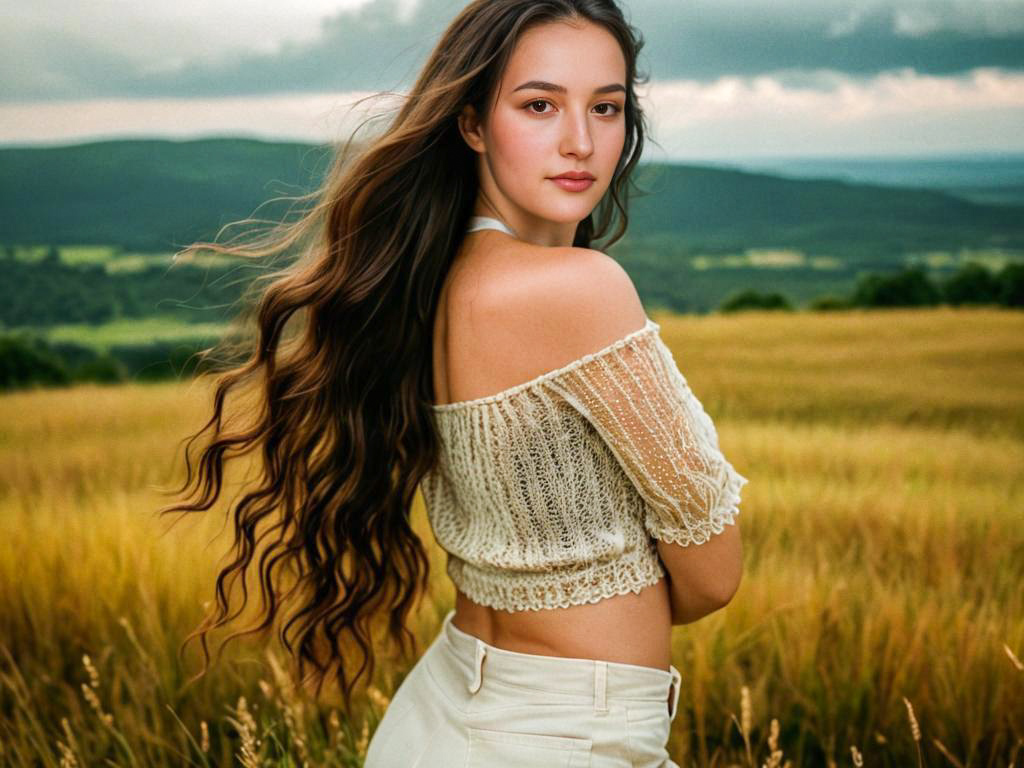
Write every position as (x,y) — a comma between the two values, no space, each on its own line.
(717,209)
(87,235)
(87,231)
(158,195)
(146,195)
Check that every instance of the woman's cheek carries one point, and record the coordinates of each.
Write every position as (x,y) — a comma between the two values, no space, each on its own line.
(518,151)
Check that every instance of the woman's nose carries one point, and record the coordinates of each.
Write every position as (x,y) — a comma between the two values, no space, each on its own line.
(577,140)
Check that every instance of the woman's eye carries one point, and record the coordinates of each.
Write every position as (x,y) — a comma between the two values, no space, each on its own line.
(607,112)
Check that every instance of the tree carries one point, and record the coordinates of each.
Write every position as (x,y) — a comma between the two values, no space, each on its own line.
(25,361)
(751,299)
(1011,285)
(828,303)
(908,288)
(971,284)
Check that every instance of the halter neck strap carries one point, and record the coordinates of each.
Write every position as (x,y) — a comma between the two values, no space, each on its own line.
(486,222)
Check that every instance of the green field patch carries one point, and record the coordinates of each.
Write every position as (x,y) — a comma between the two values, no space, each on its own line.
(74,255)
(29,254)
(704,261)
(825,262)
(114,259)
(993,259)
(775,257)
(134,331)
(752,257)
(137,262)
(206,259)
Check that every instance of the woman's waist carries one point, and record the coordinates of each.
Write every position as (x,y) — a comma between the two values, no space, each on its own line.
(631,628)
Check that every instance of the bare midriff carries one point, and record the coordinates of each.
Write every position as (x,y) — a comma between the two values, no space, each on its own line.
(634,628)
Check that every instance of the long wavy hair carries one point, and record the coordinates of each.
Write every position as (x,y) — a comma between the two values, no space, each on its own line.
(335,379)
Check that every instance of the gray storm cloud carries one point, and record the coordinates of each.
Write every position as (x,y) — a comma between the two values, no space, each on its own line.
(381,45)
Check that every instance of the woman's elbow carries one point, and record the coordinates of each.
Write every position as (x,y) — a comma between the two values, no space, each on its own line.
(704,578)
(725,575)
(721,592)
(690,604)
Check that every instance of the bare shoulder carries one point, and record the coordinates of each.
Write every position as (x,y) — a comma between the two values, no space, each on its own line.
(581,301)
(527,310)
(561,303)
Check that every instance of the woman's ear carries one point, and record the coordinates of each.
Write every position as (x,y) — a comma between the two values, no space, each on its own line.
(469,127)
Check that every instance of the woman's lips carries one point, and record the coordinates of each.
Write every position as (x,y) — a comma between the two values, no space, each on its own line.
(573,185)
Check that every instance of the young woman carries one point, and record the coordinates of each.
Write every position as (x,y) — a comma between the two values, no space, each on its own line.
(462,337)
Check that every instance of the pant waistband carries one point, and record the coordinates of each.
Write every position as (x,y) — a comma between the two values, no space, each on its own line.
(558,673)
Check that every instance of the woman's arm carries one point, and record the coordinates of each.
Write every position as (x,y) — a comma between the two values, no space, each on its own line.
(627,384)
(703,578)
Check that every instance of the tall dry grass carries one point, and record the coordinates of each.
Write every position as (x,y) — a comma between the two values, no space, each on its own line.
(880,620)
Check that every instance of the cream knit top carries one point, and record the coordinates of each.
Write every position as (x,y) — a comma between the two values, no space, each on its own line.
(553,492)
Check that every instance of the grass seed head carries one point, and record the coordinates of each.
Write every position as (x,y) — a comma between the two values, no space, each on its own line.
(94,677)
(745,714)
(1016,662)
(914,728)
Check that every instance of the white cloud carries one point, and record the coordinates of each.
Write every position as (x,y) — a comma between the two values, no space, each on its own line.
(915,22)
(915,18)
(822,112)
(302,117)
(847,24)
(52,49)
(158,34)
(894,112)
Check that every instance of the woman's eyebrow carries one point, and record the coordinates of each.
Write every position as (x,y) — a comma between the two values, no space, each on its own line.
(543,85)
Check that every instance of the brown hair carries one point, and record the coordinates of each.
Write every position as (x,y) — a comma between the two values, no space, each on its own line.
(339,409)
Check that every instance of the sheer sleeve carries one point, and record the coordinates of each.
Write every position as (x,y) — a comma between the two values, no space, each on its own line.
(640,404)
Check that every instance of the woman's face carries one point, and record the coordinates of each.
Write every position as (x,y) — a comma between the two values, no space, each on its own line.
(559,107)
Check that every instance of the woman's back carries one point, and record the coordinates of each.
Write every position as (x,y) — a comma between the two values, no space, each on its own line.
(508,312)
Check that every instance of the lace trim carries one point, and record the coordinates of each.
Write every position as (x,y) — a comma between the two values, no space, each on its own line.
(509,591)
(724,514)
(649,325)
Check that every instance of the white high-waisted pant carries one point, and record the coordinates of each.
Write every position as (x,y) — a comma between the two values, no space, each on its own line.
(468,704)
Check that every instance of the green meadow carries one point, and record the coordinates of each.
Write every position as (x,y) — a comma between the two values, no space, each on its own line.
(141,330)
(880,620)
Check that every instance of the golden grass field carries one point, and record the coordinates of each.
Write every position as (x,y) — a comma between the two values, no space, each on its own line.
(880,620)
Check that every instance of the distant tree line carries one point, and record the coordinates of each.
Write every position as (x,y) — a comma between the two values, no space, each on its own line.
(26,359)
(972,284)
(49,292)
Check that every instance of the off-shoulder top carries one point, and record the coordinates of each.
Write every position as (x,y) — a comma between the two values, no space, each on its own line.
(554,492)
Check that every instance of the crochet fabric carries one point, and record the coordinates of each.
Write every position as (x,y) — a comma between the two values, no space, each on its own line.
(552,493)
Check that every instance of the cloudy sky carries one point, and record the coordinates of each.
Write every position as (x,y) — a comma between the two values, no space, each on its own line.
(728,78)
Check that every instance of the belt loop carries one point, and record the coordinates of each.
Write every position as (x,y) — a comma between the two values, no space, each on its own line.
(478,663)
(600,686)
(676,680)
